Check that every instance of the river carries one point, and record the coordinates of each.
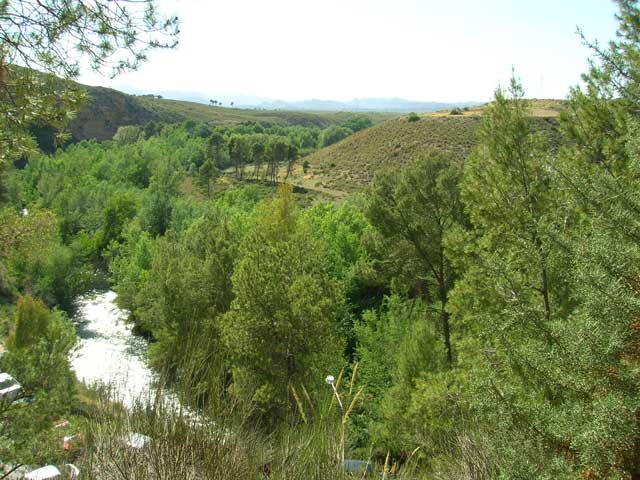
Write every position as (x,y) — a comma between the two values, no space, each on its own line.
(108,351)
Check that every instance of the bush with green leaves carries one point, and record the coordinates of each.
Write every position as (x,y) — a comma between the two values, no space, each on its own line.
(333,134)
(39,346)
(412,398)
(357,123)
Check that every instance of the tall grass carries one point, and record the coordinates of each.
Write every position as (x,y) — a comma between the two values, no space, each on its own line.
(210,435)
(222,439)
(182,446)
(467,459)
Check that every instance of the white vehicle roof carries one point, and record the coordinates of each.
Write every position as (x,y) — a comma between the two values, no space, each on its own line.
(12,388)
(44,473)
(7,379)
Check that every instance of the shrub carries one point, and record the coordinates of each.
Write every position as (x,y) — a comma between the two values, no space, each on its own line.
(413,117)
(357,123)
(333,134)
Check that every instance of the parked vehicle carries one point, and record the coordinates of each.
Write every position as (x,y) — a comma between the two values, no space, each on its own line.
(10,389)
(51,472)
(45,473)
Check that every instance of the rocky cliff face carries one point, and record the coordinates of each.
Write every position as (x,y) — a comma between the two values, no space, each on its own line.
(107,109)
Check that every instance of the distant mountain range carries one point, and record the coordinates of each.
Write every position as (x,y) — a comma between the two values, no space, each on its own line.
(397,105)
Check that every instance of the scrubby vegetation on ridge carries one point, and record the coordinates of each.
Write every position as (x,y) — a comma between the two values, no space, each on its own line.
(538,107)
(349,165)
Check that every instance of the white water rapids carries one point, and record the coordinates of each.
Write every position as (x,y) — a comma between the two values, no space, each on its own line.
(108,351)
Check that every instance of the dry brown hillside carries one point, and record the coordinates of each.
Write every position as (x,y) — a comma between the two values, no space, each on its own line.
(350,164)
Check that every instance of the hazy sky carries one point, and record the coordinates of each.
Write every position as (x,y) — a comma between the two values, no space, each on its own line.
(439,50)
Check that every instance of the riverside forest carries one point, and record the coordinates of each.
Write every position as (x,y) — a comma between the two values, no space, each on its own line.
(311,295)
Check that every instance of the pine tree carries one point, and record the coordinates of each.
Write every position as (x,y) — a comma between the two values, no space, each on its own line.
(281,329)
(514,292)
(414,209)
(207,173)
(31,322)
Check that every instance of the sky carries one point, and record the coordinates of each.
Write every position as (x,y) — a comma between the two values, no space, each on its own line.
(426,50)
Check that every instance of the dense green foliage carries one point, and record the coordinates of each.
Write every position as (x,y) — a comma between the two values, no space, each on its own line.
(39,356)
(333,134)
(280,329)
(413,210)
(480,312)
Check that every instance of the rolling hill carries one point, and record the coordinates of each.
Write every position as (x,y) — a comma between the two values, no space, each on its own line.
(334,171)
(349,165)
(108,109)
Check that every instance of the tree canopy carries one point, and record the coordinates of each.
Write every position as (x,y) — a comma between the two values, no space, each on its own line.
(44,44)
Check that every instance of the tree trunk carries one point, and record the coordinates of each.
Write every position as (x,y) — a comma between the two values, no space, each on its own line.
(444,316)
